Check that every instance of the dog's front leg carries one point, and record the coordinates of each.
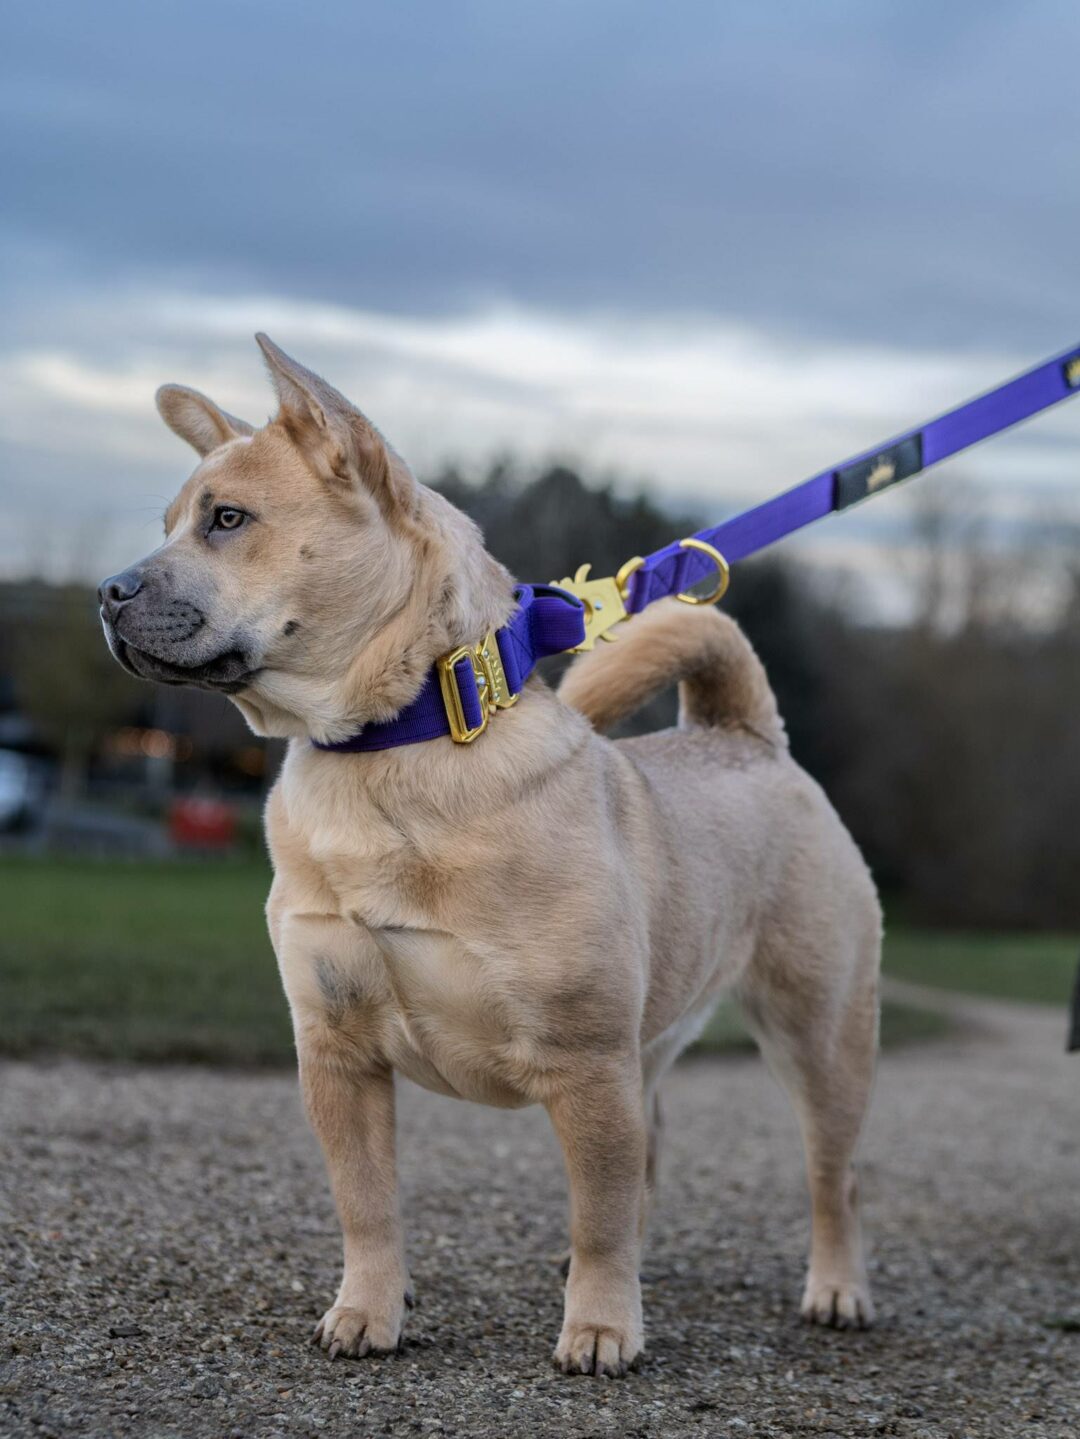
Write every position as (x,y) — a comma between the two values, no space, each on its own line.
(353,1115)
(331,976)
(600,1123)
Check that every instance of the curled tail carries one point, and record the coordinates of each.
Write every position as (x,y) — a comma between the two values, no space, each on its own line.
(721,680)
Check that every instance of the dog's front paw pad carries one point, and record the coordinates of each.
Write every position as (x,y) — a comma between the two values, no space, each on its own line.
(356,1332)
(839,1304)
(593,1349)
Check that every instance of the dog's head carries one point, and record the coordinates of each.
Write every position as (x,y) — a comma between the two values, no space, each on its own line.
(305,572)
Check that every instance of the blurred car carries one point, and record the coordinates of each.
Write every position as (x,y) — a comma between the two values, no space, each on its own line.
(21,790)
(91,830)
(202,823)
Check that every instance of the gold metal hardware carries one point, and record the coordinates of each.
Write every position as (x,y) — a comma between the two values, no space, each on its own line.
(883,473)
(723,573)
(491,685)
(605,607)
(622,577)
(1072,373)
(604,600)
(498,689)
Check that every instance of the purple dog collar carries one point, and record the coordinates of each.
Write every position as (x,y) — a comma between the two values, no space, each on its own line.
(466,687)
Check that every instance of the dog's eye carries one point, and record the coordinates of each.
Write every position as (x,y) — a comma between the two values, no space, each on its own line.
(227,518)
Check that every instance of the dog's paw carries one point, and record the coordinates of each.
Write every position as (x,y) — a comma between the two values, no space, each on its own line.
(596,1349)
(840,1304)
(357,1332)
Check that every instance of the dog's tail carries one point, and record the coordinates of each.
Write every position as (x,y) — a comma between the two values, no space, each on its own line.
(721,680)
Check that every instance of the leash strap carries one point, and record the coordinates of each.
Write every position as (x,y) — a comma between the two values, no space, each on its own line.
(675,568)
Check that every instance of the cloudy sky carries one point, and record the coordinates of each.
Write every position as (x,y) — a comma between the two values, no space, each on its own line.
(711,247)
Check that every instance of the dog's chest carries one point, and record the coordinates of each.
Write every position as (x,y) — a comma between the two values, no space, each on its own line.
(450,1025)
(446,1017)
(444,1007)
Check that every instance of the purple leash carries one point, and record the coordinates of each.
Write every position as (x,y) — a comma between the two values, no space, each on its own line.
(673,569)
(466,688)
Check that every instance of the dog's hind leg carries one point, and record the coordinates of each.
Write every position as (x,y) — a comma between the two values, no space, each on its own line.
(816,1022)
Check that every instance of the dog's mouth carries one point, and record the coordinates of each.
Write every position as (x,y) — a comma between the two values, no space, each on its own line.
(227,673)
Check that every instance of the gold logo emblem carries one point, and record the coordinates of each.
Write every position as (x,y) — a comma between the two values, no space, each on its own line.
(1072,372)
(883,473)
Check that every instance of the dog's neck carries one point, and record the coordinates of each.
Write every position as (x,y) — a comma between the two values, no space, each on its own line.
(453,593)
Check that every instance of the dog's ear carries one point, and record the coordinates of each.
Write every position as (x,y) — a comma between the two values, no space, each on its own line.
(343,445)
(198,420)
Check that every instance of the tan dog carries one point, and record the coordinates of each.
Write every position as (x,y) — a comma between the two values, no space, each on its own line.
(542,917)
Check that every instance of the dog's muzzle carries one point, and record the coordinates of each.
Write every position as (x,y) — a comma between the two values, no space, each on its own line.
(156,638)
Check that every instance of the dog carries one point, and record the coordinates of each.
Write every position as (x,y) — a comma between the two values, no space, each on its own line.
(542,917)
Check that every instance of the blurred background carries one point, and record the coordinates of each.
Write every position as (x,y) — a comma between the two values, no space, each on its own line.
(603,274)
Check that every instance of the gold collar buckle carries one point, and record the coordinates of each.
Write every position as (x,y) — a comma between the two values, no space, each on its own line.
(491,687)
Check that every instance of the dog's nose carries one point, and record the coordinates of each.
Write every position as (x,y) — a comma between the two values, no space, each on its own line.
(118,589)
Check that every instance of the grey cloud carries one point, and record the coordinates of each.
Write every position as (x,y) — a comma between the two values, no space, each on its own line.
(887,182)
(902,173)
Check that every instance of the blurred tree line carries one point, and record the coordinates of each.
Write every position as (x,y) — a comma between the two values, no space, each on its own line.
(947,743)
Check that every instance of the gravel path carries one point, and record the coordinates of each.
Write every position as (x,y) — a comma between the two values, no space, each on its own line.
(168,1243)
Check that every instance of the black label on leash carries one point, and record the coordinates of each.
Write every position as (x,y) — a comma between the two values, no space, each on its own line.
(887,467)
(1071,371)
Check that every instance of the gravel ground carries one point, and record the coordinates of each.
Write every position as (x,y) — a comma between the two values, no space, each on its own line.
(168,1243)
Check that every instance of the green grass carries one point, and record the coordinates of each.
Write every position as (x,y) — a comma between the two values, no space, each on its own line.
(900,1024)
(139,961)
(1032,967)
(171,961)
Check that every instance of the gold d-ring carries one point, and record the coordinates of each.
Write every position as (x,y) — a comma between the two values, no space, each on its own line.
(723,573)
(622,579)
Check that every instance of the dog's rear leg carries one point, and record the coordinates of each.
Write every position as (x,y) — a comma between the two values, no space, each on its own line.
(821,1045)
